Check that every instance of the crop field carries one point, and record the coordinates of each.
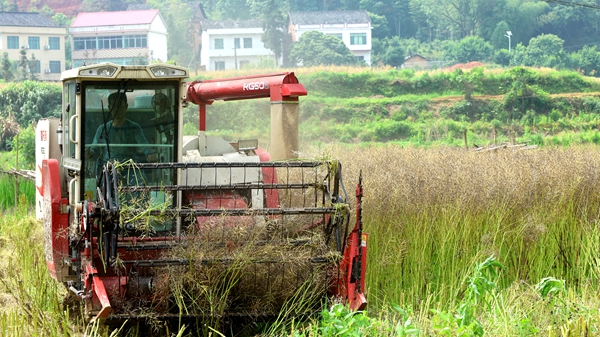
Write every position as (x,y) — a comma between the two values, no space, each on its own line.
(496,243)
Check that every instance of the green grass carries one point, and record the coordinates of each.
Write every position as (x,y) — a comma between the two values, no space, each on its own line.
(8,183)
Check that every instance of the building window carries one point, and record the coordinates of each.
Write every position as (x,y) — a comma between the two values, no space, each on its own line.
(54,66)
(110,42)
(219,65)
(338,35)
(247,42)
(54,43)
(360,58)
(33,42)
(34,66)
(115,42)
(81,43)
(135,41)
(12,42)
(236,43)
(358,38)
(218,43)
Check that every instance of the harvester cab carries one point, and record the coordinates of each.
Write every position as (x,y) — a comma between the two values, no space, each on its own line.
(141,221)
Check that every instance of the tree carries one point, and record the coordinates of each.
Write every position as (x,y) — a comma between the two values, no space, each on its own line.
(462,17)
(62,20)
(502,57)
(576,24)
(47,11)
(545,50)
(32,66)
(274,21)
(380,26)
(525,15)
(93,6)
(586,61)
(6,68)
(394,53)
(499,39)
(315,48)
(23,63)
(472,48)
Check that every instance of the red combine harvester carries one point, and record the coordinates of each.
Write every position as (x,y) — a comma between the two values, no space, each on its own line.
(142,222)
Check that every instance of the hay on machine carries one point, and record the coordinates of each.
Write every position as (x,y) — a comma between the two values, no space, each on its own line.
(240,264)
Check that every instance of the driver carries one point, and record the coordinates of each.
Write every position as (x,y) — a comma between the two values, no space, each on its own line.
(120,130)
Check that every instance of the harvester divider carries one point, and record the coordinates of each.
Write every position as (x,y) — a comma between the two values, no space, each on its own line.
(219,187)
(230,164)
(288,242)
(233,211)
(215,261)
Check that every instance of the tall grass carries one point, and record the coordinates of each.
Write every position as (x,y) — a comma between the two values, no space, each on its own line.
(433,214)
(7,190)
(32,301)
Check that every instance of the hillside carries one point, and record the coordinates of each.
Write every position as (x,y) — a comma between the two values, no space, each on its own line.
(68,7)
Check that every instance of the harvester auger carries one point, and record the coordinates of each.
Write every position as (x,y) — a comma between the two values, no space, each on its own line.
(142,223)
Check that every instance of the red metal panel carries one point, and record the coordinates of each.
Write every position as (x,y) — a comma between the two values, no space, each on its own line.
(56,219)
(246,87)
(269,175)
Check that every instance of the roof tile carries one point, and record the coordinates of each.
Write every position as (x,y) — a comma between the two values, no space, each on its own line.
(25,19)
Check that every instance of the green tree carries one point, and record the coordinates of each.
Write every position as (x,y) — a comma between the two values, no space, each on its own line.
(274,21)
(32,65)
(315,48)
(525,15)
(62,20)
(502,57)
(545,50)
(23,64)
(47,11)
(472,48)
(6,68)
(586,61)
(499,39)
(26,142)
(576,25)
(394,53)
(93,6)
(229,9)
(462,17)
(380,30)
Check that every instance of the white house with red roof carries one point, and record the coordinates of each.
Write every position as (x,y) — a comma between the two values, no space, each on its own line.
(125,37)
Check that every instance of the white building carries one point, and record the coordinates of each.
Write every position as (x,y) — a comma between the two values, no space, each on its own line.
(124,37)
(234,45)
(353,27)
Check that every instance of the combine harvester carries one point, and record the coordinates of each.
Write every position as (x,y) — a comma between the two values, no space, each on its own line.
(141,224)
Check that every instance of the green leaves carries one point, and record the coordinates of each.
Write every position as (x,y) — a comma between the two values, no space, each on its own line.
(340,321)
(480,289)
(550,286)
(315,48)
